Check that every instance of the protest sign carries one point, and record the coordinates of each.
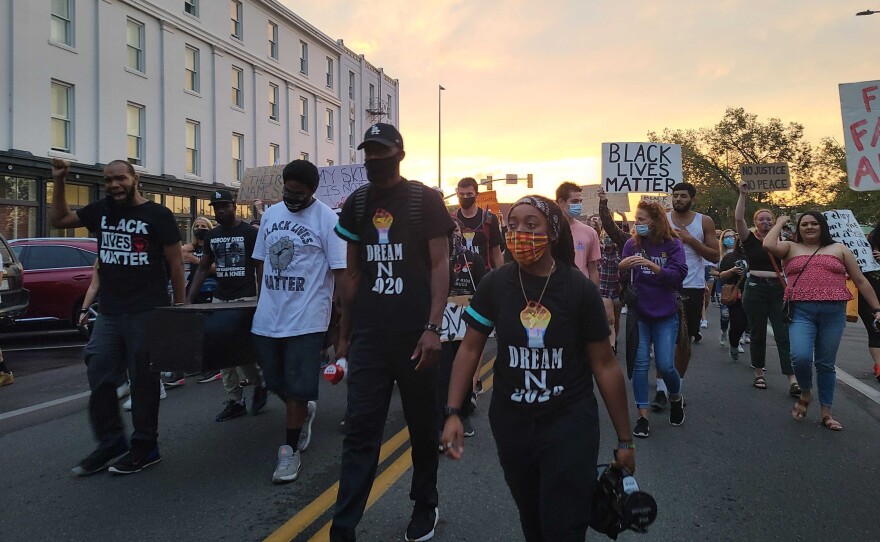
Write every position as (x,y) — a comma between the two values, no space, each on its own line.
(641,167)
(336,184)
(453,326)
(766,177)
(860,107)
(590,195)
(845,229)
(665,200)
(489,200)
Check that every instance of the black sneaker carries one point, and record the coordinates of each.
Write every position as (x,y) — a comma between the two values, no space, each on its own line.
(101,458)
(233,409)
(421,526)
(468,427)
(261,395)
(659,402)
(698,338)
(474,400)
(136,460)
(734,354)
(676,412)
(209,377)
(642,428)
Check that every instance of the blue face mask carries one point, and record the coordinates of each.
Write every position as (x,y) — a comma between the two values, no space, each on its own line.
(574,209)
(728,242)
(643,229)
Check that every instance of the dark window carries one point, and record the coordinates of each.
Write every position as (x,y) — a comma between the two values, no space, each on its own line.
(56,257)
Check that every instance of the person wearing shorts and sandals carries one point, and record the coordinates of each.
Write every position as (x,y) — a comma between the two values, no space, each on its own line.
(298,257)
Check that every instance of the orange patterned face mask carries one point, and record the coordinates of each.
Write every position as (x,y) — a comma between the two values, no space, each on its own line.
(527,247)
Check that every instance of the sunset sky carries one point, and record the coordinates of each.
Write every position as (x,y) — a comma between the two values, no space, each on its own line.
(536,87)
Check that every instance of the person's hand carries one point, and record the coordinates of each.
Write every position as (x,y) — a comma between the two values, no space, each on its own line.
(452,440)
(877,255)
(427,351)
(602,195)
(622,215)
(684,235)
(737,271)
(60,168)
(626,459)
(782,220)
(626,263)
(743,187)
(340,349)
(83,318)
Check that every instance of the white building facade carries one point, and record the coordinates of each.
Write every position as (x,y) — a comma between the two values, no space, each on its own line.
(191,92)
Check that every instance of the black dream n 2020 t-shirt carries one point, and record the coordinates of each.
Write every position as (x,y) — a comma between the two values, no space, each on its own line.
(395,262)
(542,361)
(233,250)
(131,241)
(475,232)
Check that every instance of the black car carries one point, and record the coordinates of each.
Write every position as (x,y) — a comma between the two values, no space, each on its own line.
(13,297)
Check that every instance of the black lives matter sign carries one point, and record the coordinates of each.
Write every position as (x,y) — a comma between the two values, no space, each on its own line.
(766,177)
(640,167)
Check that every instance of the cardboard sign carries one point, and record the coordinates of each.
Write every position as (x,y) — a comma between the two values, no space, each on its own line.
(845,229)
(860,108)
(766,177)
(665,200)
(641,167)
(336,184)
(489,200)
(453,326)
(616,202)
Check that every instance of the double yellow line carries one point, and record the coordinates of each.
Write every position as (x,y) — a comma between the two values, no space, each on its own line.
(387,478)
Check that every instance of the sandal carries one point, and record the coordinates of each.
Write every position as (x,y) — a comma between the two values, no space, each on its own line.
(794,390)
(877,372)
(760,383)
(799,412)
(830,423)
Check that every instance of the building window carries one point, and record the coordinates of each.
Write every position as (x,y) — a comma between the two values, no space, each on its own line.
(273,101)
(303,58)
(274,154)
(351,85)
(20,214)
(135,42)
(62,117)
(329,125)
(330,163)
(237,87)
(62,22)
(193,135)
(235,16)
(135,131)
(329,72)
(237,153)
(273,40)
(303,115)
(388,105)
(191,7)
(351,133)
(372,95)
(192,69)
(304,156)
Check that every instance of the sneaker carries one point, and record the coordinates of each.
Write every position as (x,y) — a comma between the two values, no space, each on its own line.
(704,324)
(659,402)
(123,390)
(101,458)
(474,400)
(740,349)
(261,395)
(233,409)
(468,430)
(162,393)
(288,467)
(734,354)
(210,377)
(642,428)
(623,310)
(127,404)
(478,389)
(746,338)
(6,379)
(698,338)
(173,380)
(723,341)
(136,461)
(305,436)
(676,412)
(422,524)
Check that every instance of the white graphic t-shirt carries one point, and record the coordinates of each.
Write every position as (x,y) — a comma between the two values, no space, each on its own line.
(298,251)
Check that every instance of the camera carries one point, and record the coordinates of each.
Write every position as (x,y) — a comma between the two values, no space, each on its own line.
(619,505)
(742,264)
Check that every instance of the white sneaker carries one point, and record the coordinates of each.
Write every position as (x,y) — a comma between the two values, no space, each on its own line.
(704,324)
(305,436)
(623,310)
(127,404)
(723,342)
(745,339)
(741,349)
(289,465)
(162,393)
(123,390)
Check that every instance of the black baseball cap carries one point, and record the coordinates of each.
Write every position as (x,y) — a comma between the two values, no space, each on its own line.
(222,196)
(384,134)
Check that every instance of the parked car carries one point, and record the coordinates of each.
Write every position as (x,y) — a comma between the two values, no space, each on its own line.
(13,296)
(57,272)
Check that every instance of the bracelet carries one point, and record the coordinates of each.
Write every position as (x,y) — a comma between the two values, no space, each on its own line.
(434,328)
(628,445)
(875,311)
(83,311)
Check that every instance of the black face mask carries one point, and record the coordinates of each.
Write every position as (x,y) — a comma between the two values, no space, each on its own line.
(297,204)
(381,169)
(200,234)
(467,202)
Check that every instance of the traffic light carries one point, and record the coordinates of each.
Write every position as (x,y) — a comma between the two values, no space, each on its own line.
(488,182)
(529,181)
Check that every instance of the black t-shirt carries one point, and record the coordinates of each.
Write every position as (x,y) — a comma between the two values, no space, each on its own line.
(727,262)
(546,367)
(467,271)
(233,251)
(131,241)
(395,262)
(758,258)
(481,233)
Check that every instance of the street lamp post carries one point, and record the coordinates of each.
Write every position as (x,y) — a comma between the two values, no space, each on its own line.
(439,137)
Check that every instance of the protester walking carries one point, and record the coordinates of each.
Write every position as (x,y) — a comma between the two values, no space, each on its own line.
(612,240)
(865,308)
(732,272)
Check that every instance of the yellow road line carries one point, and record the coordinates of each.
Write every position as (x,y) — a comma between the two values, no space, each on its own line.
(319,506)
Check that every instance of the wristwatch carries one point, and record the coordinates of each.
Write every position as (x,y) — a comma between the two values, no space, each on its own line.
(451,411)
(434,327)
(875,311)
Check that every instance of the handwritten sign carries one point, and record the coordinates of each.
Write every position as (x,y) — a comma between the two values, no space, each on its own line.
(860,107)
(336,184)
(453,327)
(665,200)
(766,177)
(489,200)
(845,229)
(641,167)
(590,195)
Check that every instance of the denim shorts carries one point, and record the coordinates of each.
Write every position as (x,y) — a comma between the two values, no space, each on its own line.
(291,365)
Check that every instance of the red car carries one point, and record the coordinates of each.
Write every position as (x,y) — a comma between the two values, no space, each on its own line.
(57,272)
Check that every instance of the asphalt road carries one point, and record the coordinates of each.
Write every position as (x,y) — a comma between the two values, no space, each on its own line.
(739,469)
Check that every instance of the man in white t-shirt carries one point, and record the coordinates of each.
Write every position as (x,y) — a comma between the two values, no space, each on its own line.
(298,256)
(586,241)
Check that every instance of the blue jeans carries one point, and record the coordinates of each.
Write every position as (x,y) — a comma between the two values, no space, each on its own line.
(815,331)
(663,334)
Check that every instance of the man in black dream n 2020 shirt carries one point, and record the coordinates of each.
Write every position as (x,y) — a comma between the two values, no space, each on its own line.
(137,241)
(392,298)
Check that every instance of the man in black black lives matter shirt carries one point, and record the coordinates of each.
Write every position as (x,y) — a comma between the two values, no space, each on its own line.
(231,246)
(138,244)
(392,298)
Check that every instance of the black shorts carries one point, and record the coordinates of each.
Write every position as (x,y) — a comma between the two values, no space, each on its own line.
(693,309)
